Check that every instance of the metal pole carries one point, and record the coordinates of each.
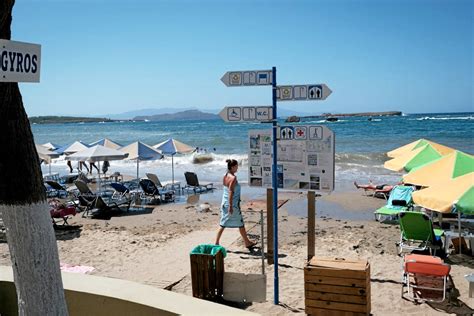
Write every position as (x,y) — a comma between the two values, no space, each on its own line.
(263,242)
(172,170)
(275,190)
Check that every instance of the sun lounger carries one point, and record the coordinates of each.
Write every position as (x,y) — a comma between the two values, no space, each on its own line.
(417,233)
(151,190)
(104,210)
(57,190)
(60,213)
(120,190)
(165,185)
(399,200)
(192,183)
(423,275)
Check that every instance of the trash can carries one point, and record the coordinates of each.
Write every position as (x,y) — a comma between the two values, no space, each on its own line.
(207,271)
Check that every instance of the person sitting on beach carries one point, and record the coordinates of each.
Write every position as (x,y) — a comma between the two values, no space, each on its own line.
(230,207)
(92,164)
(371,186)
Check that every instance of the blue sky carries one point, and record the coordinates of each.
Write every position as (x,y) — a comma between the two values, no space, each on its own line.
(112,56)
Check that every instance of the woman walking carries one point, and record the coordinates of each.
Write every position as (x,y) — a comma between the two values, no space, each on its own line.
(230,207)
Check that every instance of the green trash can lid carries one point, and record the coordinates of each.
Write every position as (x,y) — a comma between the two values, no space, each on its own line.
(207,249)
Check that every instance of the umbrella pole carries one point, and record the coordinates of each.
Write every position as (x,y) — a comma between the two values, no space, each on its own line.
(172,170)
(50,168)
(98,164)
(459,226)
(138,162)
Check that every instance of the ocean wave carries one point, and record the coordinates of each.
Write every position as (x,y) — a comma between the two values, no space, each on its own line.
(366,159)
(443,118)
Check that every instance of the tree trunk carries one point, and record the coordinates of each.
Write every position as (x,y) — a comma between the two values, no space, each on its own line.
(30,234)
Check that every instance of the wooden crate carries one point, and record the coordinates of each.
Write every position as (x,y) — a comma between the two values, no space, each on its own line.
(207,275)
(335,286)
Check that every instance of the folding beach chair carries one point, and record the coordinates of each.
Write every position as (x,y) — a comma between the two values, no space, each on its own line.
(151,190)
(192,183)
(399,200)
(423,275)
(417,233)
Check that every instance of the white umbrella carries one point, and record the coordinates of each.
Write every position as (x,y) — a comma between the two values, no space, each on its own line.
(51,146)
(139,151)
(172,147)
(46,155)
(97,153)
(72,148)
(106,143)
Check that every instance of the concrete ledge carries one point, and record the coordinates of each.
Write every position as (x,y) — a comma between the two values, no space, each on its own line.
(94,295)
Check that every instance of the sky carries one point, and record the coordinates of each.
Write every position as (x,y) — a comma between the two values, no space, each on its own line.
(112,56)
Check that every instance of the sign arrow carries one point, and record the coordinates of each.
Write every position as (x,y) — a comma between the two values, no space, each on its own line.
(307,92)
(247,78)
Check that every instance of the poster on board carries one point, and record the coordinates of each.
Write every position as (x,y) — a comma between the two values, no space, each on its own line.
(305,158)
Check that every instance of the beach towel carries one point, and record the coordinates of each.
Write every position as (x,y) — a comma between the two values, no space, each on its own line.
(235,219)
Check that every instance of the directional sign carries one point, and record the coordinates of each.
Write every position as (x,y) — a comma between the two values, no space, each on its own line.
(246,113)
(247,78)
(20,62)
(308,92)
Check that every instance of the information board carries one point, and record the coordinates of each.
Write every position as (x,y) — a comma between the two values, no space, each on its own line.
(305,158)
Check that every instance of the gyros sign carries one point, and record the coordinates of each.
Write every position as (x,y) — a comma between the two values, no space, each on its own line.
(19,62)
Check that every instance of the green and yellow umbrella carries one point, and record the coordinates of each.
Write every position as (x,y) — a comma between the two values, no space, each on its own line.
(412,159)
(441,170)
(442,197)
(443,150)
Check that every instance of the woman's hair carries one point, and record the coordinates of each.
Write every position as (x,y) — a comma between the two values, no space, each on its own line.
(231,163)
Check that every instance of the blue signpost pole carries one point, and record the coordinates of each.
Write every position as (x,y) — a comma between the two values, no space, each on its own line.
(275,191)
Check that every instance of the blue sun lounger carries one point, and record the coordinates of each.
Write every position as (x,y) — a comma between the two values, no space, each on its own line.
(399,200)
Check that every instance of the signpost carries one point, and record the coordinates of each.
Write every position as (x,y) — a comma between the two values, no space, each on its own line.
(246,113)
(306,92)
(19,62)
(313,92)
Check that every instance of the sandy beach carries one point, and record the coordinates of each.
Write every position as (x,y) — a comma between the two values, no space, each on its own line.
(153,248)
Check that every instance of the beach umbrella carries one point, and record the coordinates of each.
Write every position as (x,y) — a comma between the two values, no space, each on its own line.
(46,155)
(442,196)
(97,153)
(139,151)
(456,195)
(51,146)
(441,170)
(172,147)
(443,150)
(72,148)
(413,159)
(106,143)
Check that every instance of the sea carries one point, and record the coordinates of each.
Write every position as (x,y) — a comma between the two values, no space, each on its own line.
(361,143)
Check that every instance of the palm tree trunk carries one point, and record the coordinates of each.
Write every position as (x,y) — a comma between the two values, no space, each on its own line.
(30,235)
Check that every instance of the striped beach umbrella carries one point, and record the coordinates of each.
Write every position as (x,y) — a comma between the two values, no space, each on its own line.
(413,159)
(443,150)
(441,170)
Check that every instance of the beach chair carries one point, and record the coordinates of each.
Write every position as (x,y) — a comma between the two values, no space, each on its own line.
(423,275)
(399,200)
(60,212)
(417,233)
(104,210)
(120,190)
(56,189)
(192,183)
(167,185)
(151,190)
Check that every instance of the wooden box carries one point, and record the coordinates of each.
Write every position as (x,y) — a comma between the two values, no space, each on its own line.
(207,275)
(336,286)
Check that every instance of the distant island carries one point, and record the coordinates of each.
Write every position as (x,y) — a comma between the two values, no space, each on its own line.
(184,115)
(66,119)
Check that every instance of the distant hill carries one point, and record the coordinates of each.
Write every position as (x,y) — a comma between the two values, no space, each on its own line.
(184,115)
(65,119)
(145,112)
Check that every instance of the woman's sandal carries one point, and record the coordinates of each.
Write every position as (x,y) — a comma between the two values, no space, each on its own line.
(251,246)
